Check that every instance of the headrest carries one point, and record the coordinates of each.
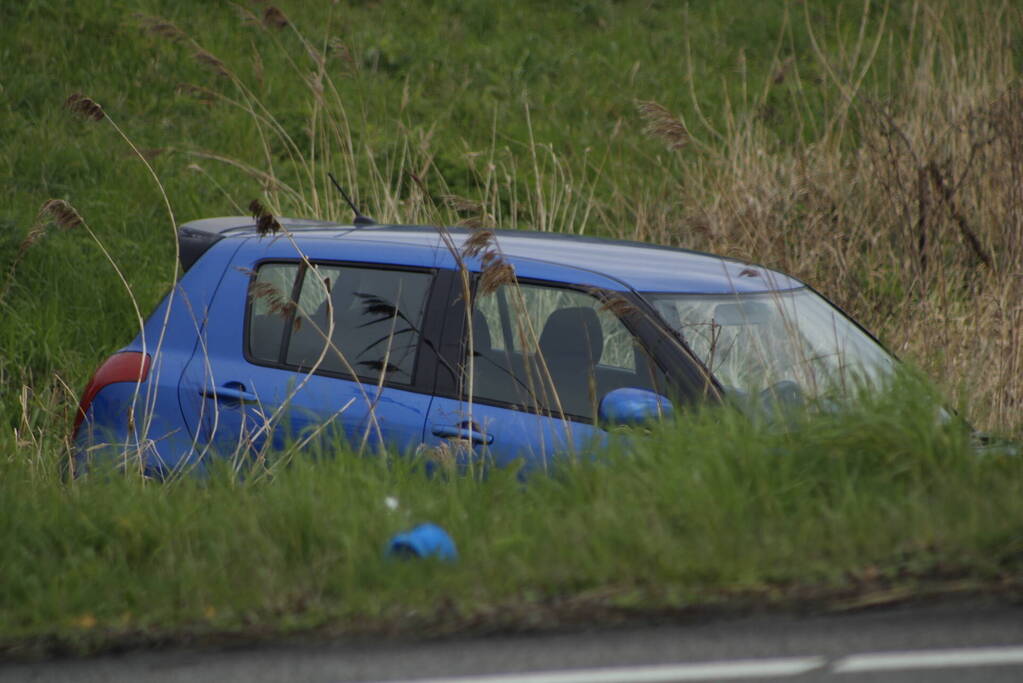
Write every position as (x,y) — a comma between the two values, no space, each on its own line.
(573,331)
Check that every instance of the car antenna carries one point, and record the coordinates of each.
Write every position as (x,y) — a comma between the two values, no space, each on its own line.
(359,218)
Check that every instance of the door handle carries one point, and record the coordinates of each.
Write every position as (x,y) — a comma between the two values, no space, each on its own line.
(468,431)
(232,391)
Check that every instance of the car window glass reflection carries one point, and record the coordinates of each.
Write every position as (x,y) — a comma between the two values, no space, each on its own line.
(377,315)
(553,350)
(269,293)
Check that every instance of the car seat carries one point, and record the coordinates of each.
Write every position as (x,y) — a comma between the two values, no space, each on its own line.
(571,343)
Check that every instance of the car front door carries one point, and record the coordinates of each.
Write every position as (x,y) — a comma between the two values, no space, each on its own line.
(534,361)
(298,351)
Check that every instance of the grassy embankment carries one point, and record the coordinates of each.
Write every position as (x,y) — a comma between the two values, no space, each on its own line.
(875,155)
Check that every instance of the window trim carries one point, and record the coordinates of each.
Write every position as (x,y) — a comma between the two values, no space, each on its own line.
(422,377)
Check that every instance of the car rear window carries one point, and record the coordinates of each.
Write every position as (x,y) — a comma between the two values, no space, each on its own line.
(352,320)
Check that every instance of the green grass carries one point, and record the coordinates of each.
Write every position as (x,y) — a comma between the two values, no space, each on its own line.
(529,111)
(713,509)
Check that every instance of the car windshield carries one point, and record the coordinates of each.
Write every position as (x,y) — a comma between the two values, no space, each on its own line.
(789,341)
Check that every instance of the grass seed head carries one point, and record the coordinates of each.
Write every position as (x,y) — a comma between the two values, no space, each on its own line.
(247,16)
(479,242)
(158,26)
(266,224)
(662,124)
(84,106)
(274,18)
(36,233)
(472,211)
(337,48)
(500,272)
(211,62)
(462,204)
(496,271)
(204,95)
(275,300)
(62,213)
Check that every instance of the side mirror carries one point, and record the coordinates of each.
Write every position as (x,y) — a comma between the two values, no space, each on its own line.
(632,406)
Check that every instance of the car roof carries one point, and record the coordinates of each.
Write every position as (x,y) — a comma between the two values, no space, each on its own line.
(636,265)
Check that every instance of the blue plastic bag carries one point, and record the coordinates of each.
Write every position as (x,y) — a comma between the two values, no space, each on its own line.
(426,540)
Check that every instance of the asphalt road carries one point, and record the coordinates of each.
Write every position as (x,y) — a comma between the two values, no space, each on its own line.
(950,641)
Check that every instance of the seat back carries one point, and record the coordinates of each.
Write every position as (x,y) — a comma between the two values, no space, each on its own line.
(571,344)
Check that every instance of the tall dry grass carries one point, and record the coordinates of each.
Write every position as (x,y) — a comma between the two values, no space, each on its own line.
(906,208)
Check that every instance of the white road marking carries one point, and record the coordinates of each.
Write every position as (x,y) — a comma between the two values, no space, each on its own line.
(929,659)
(761,668)
(717,671)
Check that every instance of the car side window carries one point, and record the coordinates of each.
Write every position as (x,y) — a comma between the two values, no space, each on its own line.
(356,321)
(555,350)
(269,293)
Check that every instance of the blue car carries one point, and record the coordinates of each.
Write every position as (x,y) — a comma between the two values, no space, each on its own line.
(495,345)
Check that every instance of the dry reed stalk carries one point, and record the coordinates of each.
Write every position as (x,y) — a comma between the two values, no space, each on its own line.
(68,218)
(246,99)
(85,106)
(55,210)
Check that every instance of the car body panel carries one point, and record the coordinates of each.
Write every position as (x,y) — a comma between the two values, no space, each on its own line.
(632,265)
(499,436)
(145,418)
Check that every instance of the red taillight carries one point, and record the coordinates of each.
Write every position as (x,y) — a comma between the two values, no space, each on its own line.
(129,366)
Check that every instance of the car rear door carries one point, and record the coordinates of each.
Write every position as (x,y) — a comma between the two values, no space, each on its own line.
(300,351)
